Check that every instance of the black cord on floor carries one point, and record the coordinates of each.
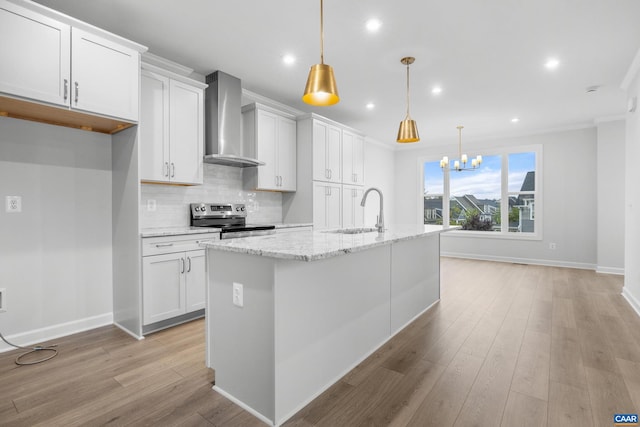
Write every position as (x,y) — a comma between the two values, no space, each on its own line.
(35,349)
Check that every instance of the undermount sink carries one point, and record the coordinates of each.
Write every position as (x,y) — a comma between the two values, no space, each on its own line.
(353,230)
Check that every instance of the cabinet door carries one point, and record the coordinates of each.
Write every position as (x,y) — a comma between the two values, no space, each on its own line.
(287,153)
(320,194)
(266,138)
(35,52)
(153,128)
(163,286)
(358,211)
(334,206)
(352,212)
(319,145)
(334,154)
(104,76)
(196,281)
(358,160)
(348,142)
(186,133)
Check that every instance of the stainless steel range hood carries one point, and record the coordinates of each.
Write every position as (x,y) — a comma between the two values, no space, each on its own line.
(223,121)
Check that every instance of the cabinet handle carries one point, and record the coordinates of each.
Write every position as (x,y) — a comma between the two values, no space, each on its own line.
(66,89)
(182,262)
(164,245)
(166,166)
(189,269)
(77,93)
(330,173)
(326,173)
(173,169)
(280,181)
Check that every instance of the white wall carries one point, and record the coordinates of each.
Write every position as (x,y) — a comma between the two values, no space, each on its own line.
(379,172)
(568,191)
(632,194)
(610,197)
(55,256)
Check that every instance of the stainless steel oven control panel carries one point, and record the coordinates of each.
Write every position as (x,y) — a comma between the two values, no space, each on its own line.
(217,210)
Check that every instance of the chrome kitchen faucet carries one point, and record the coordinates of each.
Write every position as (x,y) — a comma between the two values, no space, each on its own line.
(380,219)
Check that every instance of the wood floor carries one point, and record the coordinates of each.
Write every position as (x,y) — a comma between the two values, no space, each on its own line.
(508,345)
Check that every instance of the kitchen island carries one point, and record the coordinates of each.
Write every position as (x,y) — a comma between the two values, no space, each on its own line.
(290,314)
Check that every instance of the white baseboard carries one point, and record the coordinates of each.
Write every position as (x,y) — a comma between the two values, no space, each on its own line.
(49,333)
(633,301)
(244,406)
(513,260)
(610,270)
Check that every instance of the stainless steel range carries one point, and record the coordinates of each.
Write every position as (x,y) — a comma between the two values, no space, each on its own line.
(229,217)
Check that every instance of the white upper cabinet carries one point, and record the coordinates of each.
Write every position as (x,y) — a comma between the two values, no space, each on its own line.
(35,52)
(327,152)
(271,135)
(59,64)
(352,158)
(104,76)
(171,128)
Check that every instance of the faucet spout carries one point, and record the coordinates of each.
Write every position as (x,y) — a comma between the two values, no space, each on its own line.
(380,223)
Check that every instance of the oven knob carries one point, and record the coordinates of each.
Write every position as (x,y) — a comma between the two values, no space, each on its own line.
(242,209)
(237,208)
(197,208)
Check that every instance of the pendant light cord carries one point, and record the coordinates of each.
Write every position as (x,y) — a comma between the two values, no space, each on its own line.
(49,348)
(408,115)
(460,142)
(321,32)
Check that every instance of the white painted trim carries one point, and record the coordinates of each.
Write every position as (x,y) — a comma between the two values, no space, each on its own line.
(123,329)
(633,70)
(165,64)
(513,260)
(260,99)
(633,302)
(599,120)
(244,406)
(609,270)
(49,333)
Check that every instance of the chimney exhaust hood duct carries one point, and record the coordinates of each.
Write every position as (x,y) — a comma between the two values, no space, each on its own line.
(223,121)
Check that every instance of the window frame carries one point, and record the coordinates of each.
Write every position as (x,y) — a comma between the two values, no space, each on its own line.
(504,233)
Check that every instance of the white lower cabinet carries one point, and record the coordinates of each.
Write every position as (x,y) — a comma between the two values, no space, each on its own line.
(352,212)
(173,277)
(326,205)
(173,284)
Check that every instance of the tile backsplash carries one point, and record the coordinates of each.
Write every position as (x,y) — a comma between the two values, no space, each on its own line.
(221,184)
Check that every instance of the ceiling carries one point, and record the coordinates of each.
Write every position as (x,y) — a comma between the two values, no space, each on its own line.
(487,56)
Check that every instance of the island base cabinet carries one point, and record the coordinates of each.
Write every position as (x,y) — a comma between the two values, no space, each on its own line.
(304,325)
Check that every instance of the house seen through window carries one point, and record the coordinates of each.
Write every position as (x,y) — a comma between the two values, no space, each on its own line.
(499,197)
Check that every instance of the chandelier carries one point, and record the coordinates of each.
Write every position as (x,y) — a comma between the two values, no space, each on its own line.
(461,163)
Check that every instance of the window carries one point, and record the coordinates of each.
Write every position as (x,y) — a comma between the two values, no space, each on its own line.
(496,200)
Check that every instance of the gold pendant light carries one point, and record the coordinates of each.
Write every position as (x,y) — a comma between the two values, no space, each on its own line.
(408,131)
(321,89)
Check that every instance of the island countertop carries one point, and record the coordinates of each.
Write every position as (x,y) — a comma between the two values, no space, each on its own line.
(315,245)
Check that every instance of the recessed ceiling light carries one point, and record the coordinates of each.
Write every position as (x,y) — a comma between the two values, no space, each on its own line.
(373,25)
(515,120)
(551,64)
(436,90)
(371,106)
(289,59)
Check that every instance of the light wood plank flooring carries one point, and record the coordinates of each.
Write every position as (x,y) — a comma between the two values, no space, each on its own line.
(508,345)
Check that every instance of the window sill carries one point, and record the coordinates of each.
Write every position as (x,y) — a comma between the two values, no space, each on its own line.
(492,235)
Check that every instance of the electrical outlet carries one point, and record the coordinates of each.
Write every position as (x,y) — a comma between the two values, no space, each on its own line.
(3,300)
(14,204)
(238,297)
(552,246)
(151,205)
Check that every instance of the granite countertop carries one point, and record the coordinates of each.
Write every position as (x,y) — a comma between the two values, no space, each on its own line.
(307,245)
(176,231)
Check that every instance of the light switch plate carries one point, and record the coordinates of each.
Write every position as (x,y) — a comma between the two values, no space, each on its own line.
(14,204)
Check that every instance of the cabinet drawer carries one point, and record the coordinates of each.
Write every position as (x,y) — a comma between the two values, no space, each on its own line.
(171,244)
